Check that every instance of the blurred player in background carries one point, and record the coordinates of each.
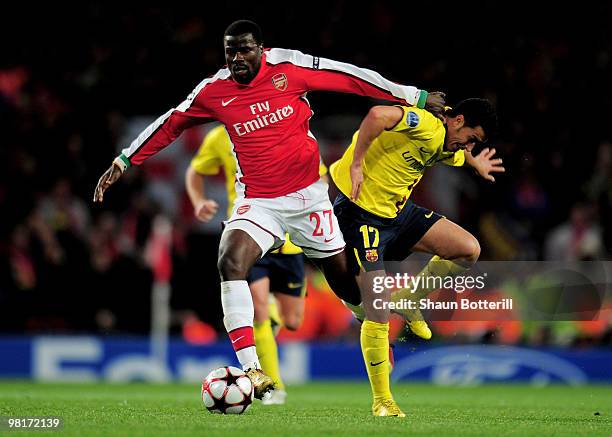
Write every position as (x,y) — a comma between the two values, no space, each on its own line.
(280,272)
(260,97)
(376,175)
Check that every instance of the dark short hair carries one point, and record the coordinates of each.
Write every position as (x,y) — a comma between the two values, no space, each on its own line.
(241,27)
(477,112)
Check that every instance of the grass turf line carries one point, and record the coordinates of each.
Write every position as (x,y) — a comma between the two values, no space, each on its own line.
(316,409)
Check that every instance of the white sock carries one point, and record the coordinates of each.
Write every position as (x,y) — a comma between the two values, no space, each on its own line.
(238,314)
(248,358)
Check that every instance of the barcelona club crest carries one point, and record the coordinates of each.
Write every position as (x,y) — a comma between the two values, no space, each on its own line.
(280,81)
(372,255)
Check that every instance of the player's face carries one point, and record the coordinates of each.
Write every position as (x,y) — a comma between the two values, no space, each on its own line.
(461,137)
(243,57)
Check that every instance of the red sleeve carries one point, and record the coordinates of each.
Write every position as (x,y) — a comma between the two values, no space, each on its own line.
(321,74)
(321,80)
(161,133)
(169,126)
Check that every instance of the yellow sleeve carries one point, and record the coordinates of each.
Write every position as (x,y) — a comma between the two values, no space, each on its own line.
(208,160)
(417,124)
(457,159)
(322,168)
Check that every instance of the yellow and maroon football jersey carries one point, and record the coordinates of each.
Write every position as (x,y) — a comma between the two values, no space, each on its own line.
(395,162)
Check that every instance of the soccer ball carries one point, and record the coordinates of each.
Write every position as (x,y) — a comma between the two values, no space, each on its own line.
(227,390)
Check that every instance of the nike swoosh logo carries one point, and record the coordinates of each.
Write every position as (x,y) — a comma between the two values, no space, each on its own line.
(327,241)
(225,103)
(376,364)
(239,338)
(429,215)
(294,285)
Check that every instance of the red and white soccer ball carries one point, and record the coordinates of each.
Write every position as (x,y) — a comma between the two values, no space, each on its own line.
(227,390)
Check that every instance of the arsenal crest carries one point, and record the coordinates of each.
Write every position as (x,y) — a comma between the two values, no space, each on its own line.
(372,255)
(280,81)
(242,209)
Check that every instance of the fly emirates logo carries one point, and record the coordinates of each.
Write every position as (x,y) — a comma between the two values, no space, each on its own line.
(263,117)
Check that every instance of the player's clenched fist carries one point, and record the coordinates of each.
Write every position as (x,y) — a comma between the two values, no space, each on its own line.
(109,177)
(205,210)
(435,103)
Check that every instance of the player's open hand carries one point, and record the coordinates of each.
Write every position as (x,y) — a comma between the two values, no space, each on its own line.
(435,103)
(356,180)
(205,210)
(109,177)
(485,164)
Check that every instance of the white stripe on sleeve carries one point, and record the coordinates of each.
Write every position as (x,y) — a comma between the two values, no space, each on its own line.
(183,107)
(406,92)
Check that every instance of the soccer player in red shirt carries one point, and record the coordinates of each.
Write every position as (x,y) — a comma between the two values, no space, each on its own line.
(260,97)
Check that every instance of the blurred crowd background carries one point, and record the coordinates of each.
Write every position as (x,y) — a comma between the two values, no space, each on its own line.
(78,82)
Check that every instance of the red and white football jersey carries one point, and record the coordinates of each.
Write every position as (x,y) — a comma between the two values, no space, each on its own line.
(268,119)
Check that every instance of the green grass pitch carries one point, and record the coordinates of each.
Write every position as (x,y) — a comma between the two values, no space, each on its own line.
(328,409)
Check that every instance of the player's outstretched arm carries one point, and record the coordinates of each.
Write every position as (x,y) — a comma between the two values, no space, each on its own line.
(379,119)
(322,74)
(485,164)
(109,177)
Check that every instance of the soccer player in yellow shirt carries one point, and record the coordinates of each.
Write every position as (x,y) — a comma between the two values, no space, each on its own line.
(281,271)
(376,175)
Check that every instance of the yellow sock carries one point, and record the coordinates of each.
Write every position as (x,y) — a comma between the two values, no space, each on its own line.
(375,348)
(436,269)
(275,318)
(267,351)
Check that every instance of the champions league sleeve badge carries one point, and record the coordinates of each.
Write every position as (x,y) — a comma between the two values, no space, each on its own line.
(412,119)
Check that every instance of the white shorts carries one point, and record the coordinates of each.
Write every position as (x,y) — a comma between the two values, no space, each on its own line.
(306,215)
